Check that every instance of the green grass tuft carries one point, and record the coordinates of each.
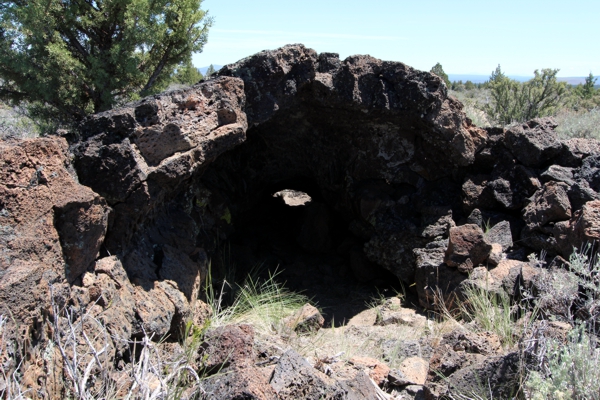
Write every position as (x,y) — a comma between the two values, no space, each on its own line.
(262,303)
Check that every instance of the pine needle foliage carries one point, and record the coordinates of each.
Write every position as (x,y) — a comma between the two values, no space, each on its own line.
(68,58)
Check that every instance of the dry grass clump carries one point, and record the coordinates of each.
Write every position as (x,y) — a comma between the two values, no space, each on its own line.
(77,362)
(492,312)
(10,386)
(474,101)
(578,124)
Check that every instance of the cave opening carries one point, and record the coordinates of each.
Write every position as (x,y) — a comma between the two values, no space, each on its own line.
(358,182)
(291,232)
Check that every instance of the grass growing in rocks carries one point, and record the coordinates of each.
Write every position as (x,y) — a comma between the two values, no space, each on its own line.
(565,369)
(491,312)
(263,303)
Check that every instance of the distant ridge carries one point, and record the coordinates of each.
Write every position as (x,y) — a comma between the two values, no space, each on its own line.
(571,80)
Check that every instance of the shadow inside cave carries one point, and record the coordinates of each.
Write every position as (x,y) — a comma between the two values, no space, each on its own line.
(292,233)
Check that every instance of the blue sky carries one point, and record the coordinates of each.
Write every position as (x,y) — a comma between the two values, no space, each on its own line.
(466,37)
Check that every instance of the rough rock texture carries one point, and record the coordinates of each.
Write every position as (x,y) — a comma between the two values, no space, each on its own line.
(467,247)
(228,345)
(375,369)
(412,371)
(395,134)
(305,320)
(51,227)
(533,143)
(390,155)
(457,353)
(500,234)
(434,277)
(137,157)
(399,179)
(295,378)
(391,312)
(240,382)
(582,229)
(497,376)
(550,204)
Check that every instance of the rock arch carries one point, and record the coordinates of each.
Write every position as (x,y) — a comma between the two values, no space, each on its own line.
(371,134)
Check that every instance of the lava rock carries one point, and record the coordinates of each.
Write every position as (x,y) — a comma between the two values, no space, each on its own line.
(467,247)
(501,234)
(307,319)
(228,345)
(558,174)
(535,142)
(550,204)
(294,378)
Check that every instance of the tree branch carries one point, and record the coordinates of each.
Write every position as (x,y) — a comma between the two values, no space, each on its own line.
(159,68)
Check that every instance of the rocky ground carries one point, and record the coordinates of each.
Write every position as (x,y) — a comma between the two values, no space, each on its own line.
(356,179)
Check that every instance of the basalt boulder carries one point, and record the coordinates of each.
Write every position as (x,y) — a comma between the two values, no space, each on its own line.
(52,228)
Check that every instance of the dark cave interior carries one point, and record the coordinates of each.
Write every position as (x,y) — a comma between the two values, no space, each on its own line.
(310,248)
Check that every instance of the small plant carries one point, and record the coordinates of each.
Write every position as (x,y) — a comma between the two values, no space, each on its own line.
(490,311)
(266,304)
(586,265)
(262,303)
(569,370)
(486,226)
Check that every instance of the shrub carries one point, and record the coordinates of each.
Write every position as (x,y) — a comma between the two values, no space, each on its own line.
(586,265)
(569,370)
(470,85)
(13,124)
(474,101)
(513,101)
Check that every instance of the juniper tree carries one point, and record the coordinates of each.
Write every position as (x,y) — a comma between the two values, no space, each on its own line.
(587,90)
(439,71)
(513,101)
(210,70)
(68,58)
(187,74)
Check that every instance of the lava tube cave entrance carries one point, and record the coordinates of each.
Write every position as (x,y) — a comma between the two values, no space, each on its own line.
(293,234)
